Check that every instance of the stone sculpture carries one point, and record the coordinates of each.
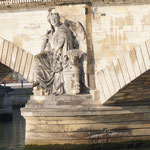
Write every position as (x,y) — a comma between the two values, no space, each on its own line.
(61,65)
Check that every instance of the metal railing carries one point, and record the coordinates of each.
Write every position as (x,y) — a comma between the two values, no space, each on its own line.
(21,84)
(5,83)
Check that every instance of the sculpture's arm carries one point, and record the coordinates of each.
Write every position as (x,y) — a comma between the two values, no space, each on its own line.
(45,40)
(44,43)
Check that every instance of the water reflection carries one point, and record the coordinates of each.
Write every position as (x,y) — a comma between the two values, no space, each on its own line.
(12,133)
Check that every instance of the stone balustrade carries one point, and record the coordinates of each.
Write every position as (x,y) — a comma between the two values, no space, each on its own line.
(53,2)
(58,2)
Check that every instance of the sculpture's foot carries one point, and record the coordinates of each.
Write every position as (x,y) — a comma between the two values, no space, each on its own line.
(37,90)
(60,91)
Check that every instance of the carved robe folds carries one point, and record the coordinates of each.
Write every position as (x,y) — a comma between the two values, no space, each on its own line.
(57,68)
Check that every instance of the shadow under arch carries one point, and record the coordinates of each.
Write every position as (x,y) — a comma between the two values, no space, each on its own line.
(4,71)
(135,93)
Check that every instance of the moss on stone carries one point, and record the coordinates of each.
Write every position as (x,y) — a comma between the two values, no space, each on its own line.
(133,145)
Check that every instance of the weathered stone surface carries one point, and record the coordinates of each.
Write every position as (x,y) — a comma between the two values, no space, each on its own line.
(9,54)
(1,47)
(4,54)
(13,57)
(119,73)
(18,60)
(28,65)
(145,55)
(124,69)
(134,62)
(64,97)
(117,30)
(85,124)
(23,62)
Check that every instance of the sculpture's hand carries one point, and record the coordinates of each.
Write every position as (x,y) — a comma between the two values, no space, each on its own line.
(65,58)
(56,56)
(65,62)
(48,32)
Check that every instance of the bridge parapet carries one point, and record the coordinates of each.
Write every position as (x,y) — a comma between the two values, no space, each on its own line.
(52,2)
(16,58)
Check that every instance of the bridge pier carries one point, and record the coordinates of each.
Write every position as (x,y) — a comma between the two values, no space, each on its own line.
(78,119)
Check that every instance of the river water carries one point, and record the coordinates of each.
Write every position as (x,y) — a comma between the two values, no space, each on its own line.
(12,133)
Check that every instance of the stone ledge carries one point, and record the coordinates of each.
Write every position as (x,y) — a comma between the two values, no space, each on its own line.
(73,111)
(61,97)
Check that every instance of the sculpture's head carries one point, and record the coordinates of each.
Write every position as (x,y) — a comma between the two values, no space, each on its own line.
(53,18)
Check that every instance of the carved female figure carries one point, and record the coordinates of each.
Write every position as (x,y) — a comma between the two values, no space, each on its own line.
(50,63)
(60,64)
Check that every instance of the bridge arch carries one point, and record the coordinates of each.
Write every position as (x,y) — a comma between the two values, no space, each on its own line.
(16,59)
(109,81)
(122,71)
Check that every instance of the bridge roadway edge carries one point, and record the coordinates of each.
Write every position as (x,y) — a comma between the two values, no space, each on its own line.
(70,120)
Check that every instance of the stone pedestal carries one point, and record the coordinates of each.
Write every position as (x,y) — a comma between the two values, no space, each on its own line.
(77,119)
(57,119)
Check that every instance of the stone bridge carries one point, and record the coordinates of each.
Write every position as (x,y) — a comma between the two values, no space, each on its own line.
(118,39)
(113,78)
(118,42)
